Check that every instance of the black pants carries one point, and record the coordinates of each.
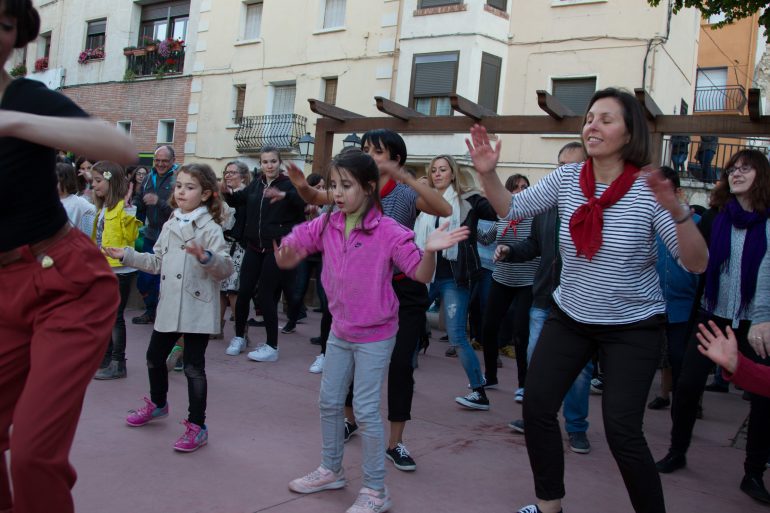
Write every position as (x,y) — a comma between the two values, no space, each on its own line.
(677,334)
(194,368)
(260,269)
(501,297)
(692,381)
(116,349)
(630,353)
(413,302)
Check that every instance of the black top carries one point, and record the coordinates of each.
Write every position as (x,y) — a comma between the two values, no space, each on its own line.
(267,222)
(30,210)
(155,215)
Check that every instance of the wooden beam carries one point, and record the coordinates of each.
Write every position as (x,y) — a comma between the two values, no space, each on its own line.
(552,106)
(331,111)
(469,108)
(396,109)
(651,109)
(713,124)
(325,129)
(755,109)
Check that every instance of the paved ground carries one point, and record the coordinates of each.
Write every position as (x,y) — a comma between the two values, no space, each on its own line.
(264,431)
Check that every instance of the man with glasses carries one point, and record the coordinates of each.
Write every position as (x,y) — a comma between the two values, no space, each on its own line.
(152,207)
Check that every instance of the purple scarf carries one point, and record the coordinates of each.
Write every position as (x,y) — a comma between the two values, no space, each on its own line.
(754,249)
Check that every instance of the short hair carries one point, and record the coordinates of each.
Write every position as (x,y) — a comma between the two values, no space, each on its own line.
(27,20)
(388,140)
(314,179)
(68,181)
(637,151)
(670,174)
(513,180)
(759,194)
(168,148)
(242,168)
(571,146)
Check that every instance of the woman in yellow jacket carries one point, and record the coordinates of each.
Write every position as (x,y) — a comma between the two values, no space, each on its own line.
(114,227)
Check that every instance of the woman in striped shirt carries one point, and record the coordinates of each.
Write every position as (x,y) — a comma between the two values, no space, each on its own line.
(609,298)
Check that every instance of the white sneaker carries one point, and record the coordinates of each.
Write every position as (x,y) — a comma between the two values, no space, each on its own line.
(264,353)
(317,480)
(318,364)
(236,346)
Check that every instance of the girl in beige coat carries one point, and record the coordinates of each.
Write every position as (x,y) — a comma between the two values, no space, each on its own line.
(192,258)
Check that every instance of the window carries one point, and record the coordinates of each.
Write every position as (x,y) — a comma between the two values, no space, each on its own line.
(44,45)
(239,100)
(489,83)
(334,14)
(424,4)
(125,125)
(711,89)
(166,131)
(434,77)
(330,90)
(96,33)
(253,22)
(498,4)
(283,99)
(165,20)
(574,93)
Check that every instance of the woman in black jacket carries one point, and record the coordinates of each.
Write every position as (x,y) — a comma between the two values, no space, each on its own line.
(267,221)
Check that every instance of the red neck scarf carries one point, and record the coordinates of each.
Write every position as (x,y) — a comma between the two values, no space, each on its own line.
(513,224)
(387,188)
(587,222)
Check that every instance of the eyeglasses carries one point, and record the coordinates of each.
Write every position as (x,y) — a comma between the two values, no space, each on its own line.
(162,161)
(743,170)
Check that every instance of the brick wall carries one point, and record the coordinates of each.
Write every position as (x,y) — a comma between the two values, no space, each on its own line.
(144,103)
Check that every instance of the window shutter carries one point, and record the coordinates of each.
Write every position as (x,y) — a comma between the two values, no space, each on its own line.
(330,91)
(424,4)
(165,10)
(434,75)
(498,4)
(489,83)
(574,93)
(97,27)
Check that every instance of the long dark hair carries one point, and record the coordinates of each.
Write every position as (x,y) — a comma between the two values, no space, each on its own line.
(27,20)
(759,194)
(364,170)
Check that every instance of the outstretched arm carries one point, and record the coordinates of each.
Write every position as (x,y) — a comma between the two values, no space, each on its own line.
(309,194)
(485,159)
(429,200)
(83,136)
(437,241)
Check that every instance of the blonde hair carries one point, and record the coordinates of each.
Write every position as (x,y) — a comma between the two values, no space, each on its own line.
(459,179)
(116,178)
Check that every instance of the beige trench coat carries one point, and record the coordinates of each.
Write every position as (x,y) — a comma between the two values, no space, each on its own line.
(189,290)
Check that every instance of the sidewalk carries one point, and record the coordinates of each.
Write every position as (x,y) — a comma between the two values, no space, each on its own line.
(264,431)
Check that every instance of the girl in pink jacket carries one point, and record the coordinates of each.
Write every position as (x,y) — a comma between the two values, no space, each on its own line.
(360,247)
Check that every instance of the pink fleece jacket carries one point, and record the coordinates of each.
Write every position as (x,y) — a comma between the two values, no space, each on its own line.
(357,272)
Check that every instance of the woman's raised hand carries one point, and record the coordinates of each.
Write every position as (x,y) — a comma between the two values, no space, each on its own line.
(287,257)
(663,190)
(482,154)
(116,253)
(274,194)
(443,239)
(296,175)
(720,349)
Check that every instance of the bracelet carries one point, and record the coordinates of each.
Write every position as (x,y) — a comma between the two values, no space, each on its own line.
(685,218)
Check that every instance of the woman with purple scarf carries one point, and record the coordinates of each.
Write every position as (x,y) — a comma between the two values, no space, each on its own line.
(737,231)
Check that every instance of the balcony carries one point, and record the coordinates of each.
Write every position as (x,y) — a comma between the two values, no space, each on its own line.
(694,164)
(720,99)
(280,130)
(143,63)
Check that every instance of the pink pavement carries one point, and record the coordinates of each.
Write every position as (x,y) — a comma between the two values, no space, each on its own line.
(264,431)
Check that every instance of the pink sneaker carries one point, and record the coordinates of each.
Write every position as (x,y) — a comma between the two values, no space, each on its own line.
(319,479)
(194,438)
(371,501)
(146,414)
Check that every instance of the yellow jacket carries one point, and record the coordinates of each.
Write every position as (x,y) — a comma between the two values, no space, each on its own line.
(120,230)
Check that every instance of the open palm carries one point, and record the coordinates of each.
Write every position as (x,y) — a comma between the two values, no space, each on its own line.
(483,155)
(286,257)
(443,239)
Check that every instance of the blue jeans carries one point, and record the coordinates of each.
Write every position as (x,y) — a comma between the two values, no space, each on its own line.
(454,302)
(370,361)
(575,408)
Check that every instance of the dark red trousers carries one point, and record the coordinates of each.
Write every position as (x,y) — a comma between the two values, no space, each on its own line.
(55,324)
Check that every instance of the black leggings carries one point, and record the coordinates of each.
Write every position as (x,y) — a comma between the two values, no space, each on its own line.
(630,353)
(116,349)
(194,368)
(499,300)
(689,388)
(260,269)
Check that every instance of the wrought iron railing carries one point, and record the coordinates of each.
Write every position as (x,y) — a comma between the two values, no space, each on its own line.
(143,64)
(704,162)
(720,99)
(280,130)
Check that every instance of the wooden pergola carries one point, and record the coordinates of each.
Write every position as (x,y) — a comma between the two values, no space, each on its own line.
(559,120)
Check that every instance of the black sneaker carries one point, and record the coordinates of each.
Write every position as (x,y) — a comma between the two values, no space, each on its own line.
(289,327)
(350,430)
(659,403)
(717,387)
(145,318)
(399,455)
(671,462)
(597,386)
(578,442)
(532,508)
(316,341)
(476,400)
(451,352)
(255,323)
(517,425)
(301,315)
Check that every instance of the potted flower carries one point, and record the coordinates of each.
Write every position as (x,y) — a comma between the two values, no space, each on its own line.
(41,64)
(149,43)
(90,54)
(129,50)
(19,70)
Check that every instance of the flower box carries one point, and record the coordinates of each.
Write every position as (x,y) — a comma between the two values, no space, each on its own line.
(90,54)
(41,64)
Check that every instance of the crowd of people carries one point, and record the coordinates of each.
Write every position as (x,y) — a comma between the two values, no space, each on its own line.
(599,262)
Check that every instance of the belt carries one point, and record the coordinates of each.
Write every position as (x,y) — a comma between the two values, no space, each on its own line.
(35,251)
